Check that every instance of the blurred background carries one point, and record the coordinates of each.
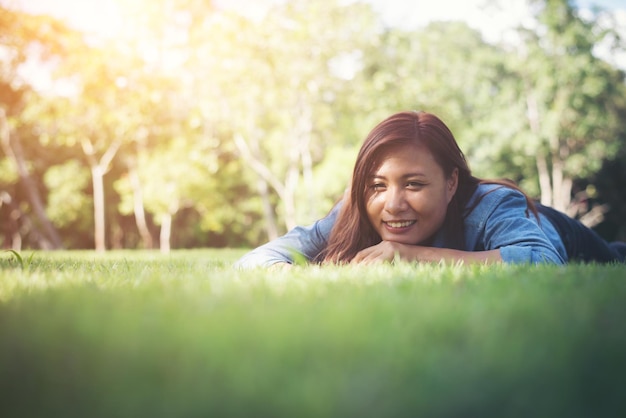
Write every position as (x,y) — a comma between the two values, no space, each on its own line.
(161,124)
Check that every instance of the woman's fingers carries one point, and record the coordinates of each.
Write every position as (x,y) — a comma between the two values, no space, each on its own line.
(376,253)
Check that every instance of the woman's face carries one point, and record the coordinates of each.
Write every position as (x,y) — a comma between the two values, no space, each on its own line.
(408,195)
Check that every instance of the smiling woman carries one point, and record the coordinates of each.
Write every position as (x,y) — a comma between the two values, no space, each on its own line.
(413,198)
(407,193)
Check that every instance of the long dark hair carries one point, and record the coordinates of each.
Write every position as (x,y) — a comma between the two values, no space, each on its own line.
(353,232)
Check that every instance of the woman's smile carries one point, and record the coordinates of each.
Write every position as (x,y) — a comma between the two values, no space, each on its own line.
(399,226)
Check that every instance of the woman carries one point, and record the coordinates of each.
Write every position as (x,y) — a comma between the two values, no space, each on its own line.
(414,198)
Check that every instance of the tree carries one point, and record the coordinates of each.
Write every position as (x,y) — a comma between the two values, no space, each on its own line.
(445,68)
(272,92)
(571,98)
(102,111)
(25,39)
(13,150)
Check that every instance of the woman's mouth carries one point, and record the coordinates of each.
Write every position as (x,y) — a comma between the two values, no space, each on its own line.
(399,224)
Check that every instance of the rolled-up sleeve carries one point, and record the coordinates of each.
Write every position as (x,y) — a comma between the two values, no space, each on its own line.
(508,225)
(301,241)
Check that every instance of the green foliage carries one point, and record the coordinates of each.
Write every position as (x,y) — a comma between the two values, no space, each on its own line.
(332,177)
(138,334)
(8,173)
(67,200)
(570,98)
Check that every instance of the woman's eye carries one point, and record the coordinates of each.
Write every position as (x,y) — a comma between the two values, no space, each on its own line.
(378,187)
(415,185)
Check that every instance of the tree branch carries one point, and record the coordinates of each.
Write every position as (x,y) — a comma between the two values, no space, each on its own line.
(260,168)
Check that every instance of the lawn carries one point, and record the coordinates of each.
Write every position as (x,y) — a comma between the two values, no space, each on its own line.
(134,334)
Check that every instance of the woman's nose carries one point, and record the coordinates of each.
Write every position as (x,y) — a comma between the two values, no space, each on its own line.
(395,201)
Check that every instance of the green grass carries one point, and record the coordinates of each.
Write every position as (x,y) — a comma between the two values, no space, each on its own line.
(133,334)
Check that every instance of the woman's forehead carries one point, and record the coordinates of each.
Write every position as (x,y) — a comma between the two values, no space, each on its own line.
(403,150)
(407,154)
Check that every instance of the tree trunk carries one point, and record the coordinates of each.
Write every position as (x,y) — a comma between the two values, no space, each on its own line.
(99,167)
(309,183)
(140,214)
(291,183)
(299,157)
(16,242)
(268,210)
(250,152)
(50,240)
(566,193)
(166,232)
(306,130)
(561,184)
(97,179)
(13,228)
(545,185)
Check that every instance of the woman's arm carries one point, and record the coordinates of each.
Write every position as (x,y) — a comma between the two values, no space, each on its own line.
(389,251)
(507,224)
(302,241)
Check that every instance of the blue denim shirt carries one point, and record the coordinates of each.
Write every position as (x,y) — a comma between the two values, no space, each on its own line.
(499,221)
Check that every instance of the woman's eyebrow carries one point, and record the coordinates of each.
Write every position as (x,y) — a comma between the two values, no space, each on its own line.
(404,176)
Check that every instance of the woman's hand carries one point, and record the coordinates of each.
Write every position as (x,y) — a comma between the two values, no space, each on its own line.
(385,251)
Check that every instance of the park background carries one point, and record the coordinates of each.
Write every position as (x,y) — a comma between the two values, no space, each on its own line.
(190,123)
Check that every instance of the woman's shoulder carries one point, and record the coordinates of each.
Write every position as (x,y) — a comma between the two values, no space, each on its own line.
(491,198)
(493,193)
